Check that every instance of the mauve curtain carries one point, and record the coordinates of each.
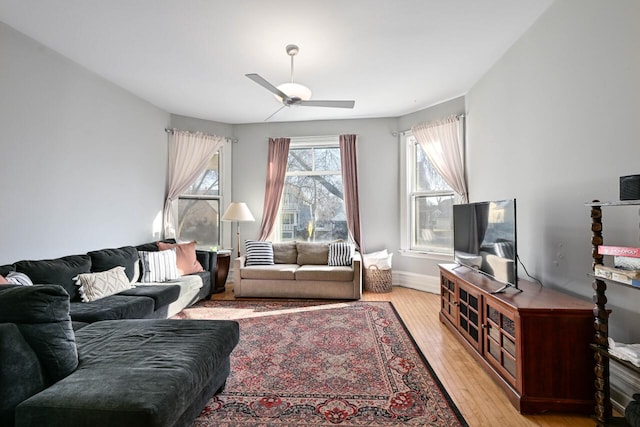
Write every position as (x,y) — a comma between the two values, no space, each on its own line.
(349,160)
(189,154)
(443,144)
(276,171)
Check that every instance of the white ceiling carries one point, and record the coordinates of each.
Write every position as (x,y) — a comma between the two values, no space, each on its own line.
(189,57)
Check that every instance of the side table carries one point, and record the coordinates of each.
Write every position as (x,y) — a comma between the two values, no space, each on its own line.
(222,271)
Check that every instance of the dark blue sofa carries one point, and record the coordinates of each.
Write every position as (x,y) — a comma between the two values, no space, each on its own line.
(109,373)
(141,302)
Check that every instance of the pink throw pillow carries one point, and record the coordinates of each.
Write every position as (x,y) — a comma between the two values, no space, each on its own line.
(3,281)
(186,256)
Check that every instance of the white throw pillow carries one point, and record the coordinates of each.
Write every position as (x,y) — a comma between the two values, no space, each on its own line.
(160,266)
(94,286)
(15,278)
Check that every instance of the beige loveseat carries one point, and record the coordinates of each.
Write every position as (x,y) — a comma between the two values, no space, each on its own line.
(300,270)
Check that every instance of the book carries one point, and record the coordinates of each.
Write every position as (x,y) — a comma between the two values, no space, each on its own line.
(635,283)
(619,250)
(626,262)
(617,274)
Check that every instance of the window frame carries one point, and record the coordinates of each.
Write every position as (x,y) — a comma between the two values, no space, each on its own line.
(224,190)
(315,142)
(409,195)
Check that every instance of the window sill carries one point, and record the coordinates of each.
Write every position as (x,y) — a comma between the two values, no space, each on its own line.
(425,255)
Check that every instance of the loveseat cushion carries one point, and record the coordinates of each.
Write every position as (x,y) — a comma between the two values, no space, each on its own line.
(122,383)
(270,272)
(324,273)
(106,259)
(42,315)
(285,253)
(112,307)
(312,253)
(161,294)
(59,271)
(21,375)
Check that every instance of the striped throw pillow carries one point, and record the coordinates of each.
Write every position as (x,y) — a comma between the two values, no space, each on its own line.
(160,266)
(15,278)
(259,253)
(340,253)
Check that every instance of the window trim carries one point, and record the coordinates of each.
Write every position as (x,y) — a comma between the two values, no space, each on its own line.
(326,141)
(407,202)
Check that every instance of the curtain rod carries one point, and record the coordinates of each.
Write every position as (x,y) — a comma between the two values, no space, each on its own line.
(402,132)
(233,140)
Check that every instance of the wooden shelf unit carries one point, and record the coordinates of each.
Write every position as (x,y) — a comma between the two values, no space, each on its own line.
(604,412)
(534,343)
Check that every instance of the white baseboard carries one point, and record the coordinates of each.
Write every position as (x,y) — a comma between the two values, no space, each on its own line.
(420,282)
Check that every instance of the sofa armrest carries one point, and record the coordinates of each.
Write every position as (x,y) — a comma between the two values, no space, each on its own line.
(238,263)
(209,261)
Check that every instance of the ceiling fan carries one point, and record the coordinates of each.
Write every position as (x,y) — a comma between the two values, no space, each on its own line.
(291,94)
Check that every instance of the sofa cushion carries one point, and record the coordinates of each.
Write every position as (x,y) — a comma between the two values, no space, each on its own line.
(106,259)
(59,271)
(259,252)
(285,253)
(185,256)
(112,307)
(324,273)
(118,381)
(312,253)
(161,294)
(20,372)
(6,269)
(94,286)
(270,272)
(159,266)
(42,315)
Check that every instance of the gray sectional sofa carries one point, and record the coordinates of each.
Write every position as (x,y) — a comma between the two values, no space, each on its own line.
(121,373)
(299,270)
(144,301)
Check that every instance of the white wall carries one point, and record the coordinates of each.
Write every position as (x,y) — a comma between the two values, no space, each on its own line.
(83,161)
(555,124)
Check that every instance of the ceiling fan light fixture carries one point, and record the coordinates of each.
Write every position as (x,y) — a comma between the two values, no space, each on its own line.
(294,90)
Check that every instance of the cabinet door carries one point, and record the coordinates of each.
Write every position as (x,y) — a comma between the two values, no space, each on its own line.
(448,299)
(469,315)
(500,340)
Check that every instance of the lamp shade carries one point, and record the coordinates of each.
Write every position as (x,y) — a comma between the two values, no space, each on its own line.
(294,90)
(238,211)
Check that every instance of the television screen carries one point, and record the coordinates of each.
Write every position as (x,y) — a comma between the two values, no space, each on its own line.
(484,238)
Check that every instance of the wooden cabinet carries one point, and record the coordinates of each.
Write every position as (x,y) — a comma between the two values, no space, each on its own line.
(602,356)
(534,343)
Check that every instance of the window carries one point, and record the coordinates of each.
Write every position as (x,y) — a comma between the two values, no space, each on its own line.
(429,204)
(312,206)
(199,208)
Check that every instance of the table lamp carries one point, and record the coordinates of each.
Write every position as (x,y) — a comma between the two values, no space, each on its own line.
(238,212)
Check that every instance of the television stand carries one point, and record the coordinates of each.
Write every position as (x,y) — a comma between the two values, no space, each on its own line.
(526,341)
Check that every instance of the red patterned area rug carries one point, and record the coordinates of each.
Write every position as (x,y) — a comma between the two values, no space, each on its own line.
(323,364)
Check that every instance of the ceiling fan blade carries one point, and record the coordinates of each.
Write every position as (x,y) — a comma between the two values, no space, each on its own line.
(265,84)
(325,103)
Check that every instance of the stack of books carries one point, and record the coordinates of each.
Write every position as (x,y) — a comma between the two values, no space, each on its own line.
(626,264)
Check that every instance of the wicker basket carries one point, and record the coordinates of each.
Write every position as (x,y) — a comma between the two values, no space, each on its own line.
(376,280)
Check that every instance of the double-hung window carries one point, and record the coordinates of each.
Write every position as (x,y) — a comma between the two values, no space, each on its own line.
(428,204)
(312,205)
(199,207)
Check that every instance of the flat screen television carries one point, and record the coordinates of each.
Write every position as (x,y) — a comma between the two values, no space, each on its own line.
(484,239)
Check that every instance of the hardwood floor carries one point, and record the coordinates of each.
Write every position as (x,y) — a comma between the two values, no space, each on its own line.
(479,399)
